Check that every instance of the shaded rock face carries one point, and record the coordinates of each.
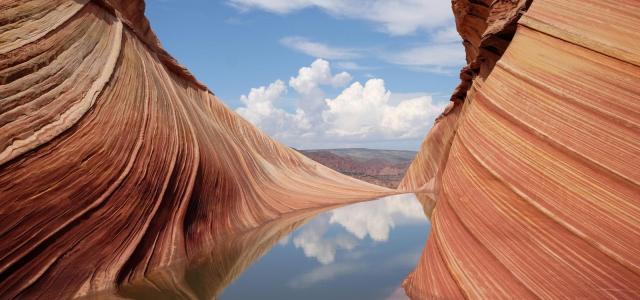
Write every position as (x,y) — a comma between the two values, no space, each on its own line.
(486,27)
(534,167)
(115,161)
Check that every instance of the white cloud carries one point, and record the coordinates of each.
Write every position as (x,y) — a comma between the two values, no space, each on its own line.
(443,54)
(275,6)
(350,65)
(359,114)
(259,103)
(259,109)
(396,17)
(319,50)
(401,17)
(364,111)
(318,74)
(446,35)
(357,110)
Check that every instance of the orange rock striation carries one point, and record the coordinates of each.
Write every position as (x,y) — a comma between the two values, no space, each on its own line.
(207,274)
(117,166)
(535,166)
(115,162)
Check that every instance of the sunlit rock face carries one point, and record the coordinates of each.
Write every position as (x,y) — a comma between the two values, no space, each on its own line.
(115,161)
(534,167)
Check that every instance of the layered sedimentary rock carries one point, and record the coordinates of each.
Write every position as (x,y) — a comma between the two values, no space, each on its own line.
(115,161)
(116,164)
(535,167)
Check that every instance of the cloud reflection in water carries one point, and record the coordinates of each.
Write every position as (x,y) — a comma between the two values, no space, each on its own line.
(360,251)
(374,219)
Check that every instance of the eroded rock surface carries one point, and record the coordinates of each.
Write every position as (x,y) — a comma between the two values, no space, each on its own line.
(115,161)
(535,165)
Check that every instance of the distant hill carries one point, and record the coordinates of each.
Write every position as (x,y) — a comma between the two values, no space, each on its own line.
(381,167)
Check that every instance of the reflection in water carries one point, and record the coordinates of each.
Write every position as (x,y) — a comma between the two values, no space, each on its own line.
(360,251)
(374,219)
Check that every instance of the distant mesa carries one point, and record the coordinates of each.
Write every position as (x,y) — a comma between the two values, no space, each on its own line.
(381,167)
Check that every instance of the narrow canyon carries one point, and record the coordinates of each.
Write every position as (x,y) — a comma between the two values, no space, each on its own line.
(121,173)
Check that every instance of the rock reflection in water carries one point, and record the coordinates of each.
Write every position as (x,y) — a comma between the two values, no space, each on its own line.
(309,251)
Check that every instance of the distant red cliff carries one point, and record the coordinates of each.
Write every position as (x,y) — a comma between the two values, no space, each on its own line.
(381,167)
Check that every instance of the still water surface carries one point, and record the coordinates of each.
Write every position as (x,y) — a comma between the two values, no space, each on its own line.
(360,251)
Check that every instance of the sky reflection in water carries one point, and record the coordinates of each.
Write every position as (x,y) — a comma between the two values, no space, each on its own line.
(361,251)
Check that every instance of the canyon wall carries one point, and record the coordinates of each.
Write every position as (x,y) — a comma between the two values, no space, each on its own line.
(535,167)
(115,161)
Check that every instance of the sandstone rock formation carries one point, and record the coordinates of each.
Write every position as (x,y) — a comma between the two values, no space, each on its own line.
(115,161)
(535,165)
(117,164)
(207,274)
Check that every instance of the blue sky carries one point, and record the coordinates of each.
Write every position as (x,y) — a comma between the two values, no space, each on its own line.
(320,73)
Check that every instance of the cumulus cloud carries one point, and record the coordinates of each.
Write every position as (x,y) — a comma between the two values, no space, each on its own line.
(310,84)
(317,74)
(358,114)
(361,111)
(397,17)
(259,109)
(319,50)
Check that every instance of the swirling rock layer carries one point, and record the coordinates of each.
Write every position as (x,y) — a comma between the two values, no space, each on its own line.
(115,161)
(536,173)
